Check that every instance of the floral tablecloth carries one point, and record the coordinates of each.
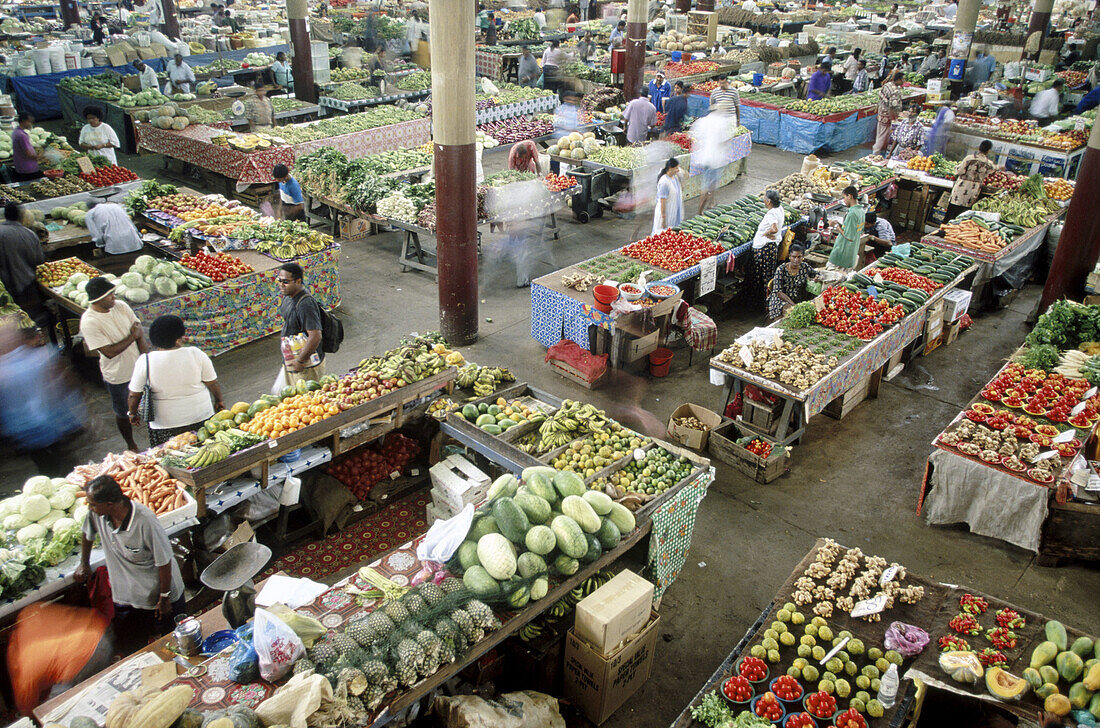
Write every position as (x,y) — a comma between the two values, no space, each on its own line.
(488,64)
(371,141)
(244,309)
(193,145)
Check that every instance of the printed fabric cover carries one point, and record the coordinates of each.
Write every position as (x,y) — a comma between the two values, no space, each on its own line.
(700,331)
(673,527)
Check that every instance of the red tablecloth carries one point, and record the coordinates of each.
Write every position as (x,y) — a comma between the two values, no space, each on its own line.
(193,145)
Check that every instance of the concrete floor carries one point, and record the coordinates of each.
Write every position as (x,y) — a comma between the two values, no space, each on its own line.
(855,480)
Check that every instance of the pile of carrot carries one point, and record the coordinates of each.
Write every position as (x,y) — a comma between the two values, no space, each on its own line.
(141,479)
(970,234)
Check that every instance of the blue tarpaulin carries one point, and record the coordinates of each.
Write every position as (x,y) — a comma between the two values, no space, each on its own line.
(750,119)
(802,135)
(38,94)
(768,130)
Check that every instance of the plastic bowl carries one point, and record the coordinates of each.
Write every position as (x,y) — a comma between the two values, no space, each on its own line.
(662,294)
(631,295)
(291,457)
(787,703)
(827,720)
(752,707)
(736,704)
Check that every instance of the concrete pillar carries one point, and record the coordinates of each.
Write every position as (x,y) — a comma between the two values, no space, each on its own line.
(171,26)
(455,168)
(1079,246)
(301,62)
(70,13)
(637,16)
(966,19)
(1037,29)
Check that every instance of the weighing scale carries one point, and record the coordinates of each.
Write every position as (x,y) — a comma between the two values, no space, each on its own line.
(232,573)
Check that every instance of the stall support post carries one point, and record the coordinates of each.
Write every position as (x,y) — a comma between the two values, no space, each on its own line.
(1079,245)
(455,169)
(682,6)
(966,20)
(1040,21)
(637,15)
(301,64)
(70,13)
(171,26)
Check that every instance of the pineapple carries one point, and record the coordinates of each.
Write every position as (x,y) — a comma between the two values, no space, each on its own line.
(322,653)
(464,622)
(431,644)
(482,615)
(343,643)
(409,651)
(414,603)
(396,611)
(446,653)
(373,697)
(405,674)
(357,656)
(354,679)
(445,628)
(451,585)
(359,632)
(304,664)
(379,626)
(355,705)
(432,593)
(375,671)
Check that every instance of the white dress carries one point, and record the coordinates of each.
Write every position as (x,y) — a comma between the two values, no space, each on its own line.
(101,134)
(668,189)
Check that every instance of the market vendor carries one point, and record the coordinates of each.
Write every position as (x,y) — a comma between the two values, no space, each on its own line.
(258,109)
(908,136)
(727,99)
(528,71)
(376,63)
(640,116)
(111,228)
(146,585)
(932,65)
(97,137)
(789,283)
(879,233)
(20,255)
(524,157)
(659,90)
(302,319)
(23,153)
(970,174)
(1048,102)
(845,255)
(618,37)
(491,29)
(820,82)
(765,246)
(1090,101)
(181,79)
(291,204)
(889,104)
(676,109)
(146,75)
(281,70)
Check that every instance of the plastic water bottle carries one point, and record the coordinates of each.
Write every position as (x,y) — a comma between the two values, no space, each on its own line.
(888,687)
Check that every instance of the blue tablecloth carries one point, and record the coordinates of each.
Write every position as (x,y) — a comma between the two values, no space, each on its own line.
(38,95)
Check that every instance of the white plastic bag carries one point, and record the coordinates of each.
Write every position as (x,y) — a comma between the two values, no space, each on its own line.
(276,645)
(444,537)
(280,382)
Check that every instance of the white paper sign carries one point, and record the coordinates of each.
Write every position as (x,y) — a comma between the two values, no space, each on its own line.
(1065,436)
(888,575)
(1090,394)
(1044,456)
(708,274)
(874,605)
(746,355)
(717,378)
(1078,409)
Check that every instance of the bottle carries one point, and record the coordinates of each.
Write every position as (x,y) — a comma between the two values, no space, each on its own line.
(888,687)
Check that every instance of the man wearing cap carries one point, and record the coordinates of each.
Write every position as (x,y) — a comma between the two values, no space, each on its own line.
(146,75)
(659,90)
(111,329)
(259,110)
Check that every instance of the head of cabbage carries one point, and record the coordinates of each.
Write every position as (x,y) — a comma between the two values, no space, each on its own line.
(144,264)
(40,484)
(34,507)
(31,533)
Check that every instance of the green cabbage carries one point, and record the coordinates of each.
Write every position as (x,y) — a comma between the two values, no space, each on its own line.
(9,506)
(163,269)
(80,512)
(34,507)
(51,518)
(40,484)
(77,278)
(30,533)
(137,295)
(165,286)
(62,525)
(144,264)
(62,499)
(132,279)
(14,522)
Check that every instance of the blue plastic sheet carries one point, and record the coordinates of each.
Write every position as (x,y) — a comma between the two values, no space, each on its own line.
(769,128)
(802,135)
(698,106)
(846,133)
(750,120)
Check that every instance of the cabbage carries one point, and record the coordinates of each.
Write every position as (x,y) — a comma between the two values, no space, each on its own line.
(163,269)
(40,484)
(59,483)
(82,286)
(144,264)
(62,499)
(165,286)
(9,506)
(178,278)
(15,521)
(80,512)
(132,279)
(76,278)
(34,507)
(64,524)
(51,518)
(136,295)
(31,533)
(68,289)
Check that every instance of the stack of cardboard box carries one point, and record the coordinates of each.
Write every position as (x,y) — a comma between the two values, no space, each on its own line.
(455,483)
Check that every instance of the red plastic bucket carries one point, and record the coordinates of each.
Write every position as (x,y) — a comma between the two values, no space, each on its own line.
(660,361)
(605,296)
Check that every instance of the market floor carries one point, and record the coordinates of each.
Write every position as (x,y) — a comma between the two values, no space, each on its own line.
(854,480)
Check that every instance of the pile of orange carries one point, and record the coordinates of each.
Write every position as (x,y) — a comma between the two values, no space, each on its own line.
(924,164)
(1058,189)
(293,413)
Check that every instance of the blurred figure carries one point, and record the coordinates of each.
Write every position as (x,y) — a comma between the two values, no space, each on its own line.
(523,209)
(553,58)
(20,255)
(524,157)
(54,648)
(676,109)
(936,140)
(586,49)
(528,71)
(640,116)
(566,118)
(710,151)
(669,211)
(41,412)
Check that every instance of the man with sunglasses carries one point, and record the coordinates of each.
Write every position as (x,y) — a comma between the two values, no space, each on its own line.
(302,316)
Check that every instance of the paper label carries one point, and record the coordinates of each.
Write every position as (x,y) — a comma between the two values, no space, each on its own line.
(85,165)
(746,355)
(708,274)
(1044,456)
(717,378)
(639,454)
(819,303)
(1066,436)
(874,605)
(888,575)
(1090,394)
(1078,409)
(395,475)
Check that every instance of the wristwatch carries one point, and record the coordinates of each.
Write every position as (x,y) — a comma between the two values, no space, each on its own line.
(166,595)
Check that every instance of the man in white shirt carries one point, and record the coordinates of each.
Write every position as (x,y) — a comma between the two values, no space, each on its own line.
(951,10)
(540,19)
(749,5)
(1048,102)
(110,228)
(181,79)
(146,75)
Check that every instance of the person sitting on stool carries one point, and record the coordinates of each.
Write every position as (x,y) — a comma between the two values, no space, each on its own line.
(880,233)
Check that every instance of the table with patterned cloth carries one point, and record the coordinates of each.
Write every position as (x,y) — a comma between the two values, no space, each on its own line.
(488,64)
(194,146)
(371,141)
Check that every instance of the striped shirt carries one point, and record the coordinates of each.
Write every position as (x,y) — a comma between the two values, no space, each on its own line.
(727,100)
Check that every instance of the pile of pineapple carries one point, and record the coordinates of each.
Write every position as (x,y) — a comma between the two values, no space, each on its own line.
(399,642)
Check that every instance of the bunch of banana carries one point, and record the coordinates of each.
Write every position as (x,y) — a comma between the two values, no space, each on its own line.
(565,605)
(440,407)
(212,451)
(571,421)
(467,375)
(489,380)
(530,631)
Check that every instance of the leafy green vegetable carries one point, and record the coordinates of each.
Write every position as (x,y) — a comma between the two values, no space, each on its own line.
(1065,325)
(1039,356)
(712,710)
(801,315)
(1033,186)
(747,719)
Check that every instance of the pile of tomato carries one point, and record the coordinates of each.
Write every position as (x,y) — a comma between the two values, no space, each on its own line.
(218,266)
(768,707)
(1040,394)
(675,70)
(738,688)
(856,314)
(107,176)
(672,250)
(760,447)
(559,182)
(361,470)
(681,139)
(908,278)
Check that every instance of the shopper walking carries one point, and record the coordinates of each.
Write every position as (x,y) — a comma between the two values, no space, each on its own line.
(303,357)
(259,110)
(20,255)
(146,585)
(111,329)
(846,247)
(291,204)
(820,83)
(111,228)
(765,247)
(640,116)
(24,155)
(889,105)
(970,174)
(181,380)
(528,71)
(789,283)
(97,137)
(710,151)
(669,210)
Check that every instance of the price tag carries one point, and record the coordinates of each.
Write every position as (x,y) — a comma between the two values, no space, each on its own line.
(1065,436)
(1078,409)
(819,303)
(888,575)
(717,378)
(832,653)
(872,291)
(639,454)
(1044,456)
(708,274)
(395,475)
(85,165)
(746,355)
(272,443)
(874,605)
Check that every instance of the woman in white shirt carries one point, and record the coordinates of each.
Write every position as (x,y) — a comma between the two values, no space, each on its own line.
(97,137)
(181,379)
(765,246)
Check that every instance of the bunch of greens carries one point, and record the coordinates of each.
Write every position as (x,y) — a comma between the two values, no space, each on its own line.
(57,549)
(508,176)
(1034,186)
(138,200)
(387,28)
(353,92)
(1039,356)
(801,315)
(364,189)
(1065,325)
(337,125)
(416,81)
(19,573)
(712,710)
(525,29)
(421,194)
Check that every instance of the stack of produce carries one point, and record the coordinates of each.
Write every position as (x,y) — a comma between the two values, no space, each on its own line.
(338,125)
(619,157)
(1058,189)
(217,266)
(1021,210)
(284,239)
(69,184)
(416,81)
(352,92)
(40,528)
(56,273)
(500,416)
(41,140)
(137,202)
(217,67)
(794,187)
(14,194)
(518,129)
(790,362)
(107,176)
(73,214)
(285,103)
(257,59)
(575,146)
(364,468)
(734,224)
(977,233)
(999,179)
(672,250)
(359,182)
(341,75)
(822,107)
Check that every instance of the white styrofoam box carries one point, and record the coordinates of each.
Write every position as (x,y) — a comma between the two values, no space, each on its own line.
(189,509)
(444,506)
(457,482)
(432,514)
(955,304)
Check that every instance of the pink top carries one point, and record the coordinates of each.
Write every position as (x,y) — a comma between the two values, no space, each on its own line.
(22,151)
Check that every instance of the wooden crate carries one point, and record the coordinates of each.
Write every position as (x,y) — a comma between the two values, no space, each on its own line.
(1071,531)
(575,375)
(763,417)
(723,446)
(845,403)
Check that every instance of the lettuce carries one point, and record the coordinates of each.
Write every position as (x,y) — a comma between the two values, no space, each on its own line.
(51,518)
(30,533)
(144,264)
(34,507)
(132,279)
(15,521)
(137,295)
(165,286)
(62,499)
(39,484)
(10,506)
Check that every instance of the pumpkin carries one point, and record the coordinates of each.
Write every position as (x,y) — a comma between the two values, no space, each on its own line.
(162,709)
(191,718)
(963,667)
(123,707)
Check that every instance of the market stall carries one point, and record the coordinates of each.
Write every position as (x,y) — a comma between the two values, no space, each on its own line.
(1022,149)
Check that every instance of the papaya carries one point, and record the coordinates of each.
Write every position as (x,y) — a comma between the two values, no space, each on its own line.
(1050,675)
(1094,706)
(1044,654)
(1069,665)
(470,412)
(1079,696)
(1046,690)
(1057,704)
(1092,677)
(1004,685)
(1033,678)
(1056,633)
(1082,646)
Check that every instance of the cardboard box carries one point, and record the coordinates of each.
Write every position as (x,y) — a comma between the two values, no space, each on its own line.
(159,51)
(934,85)
(951,332)
(933,327)
(455,483)
(243,533)
(116,56)
(695,439)
(931,345)
(956,302)
(354,228)
(599,683)
(131,55)
(614,612)
(132,82)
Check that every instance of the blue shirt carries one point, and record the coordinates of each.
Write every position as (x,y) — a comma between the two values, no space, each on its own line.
(675,111)
(36,408)
(819,85)
(1091,101)
(291,192)
(658,94)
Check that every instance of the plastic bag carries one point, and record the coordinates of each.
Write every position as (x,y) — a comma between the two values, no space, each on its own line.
(308,629)
(445,536)
(905,639)
(244,666)
(276,645)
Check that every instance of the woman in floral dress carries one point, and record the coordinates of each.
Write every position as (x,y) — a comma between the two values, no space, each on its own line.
(789,284)
(908,136)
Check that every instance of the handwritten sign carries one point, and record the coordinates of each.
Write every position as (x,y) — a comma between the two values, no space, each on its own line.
(708,274)
(1065,436)
(746,355)
(85,165)
(874,605)
(888,575)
